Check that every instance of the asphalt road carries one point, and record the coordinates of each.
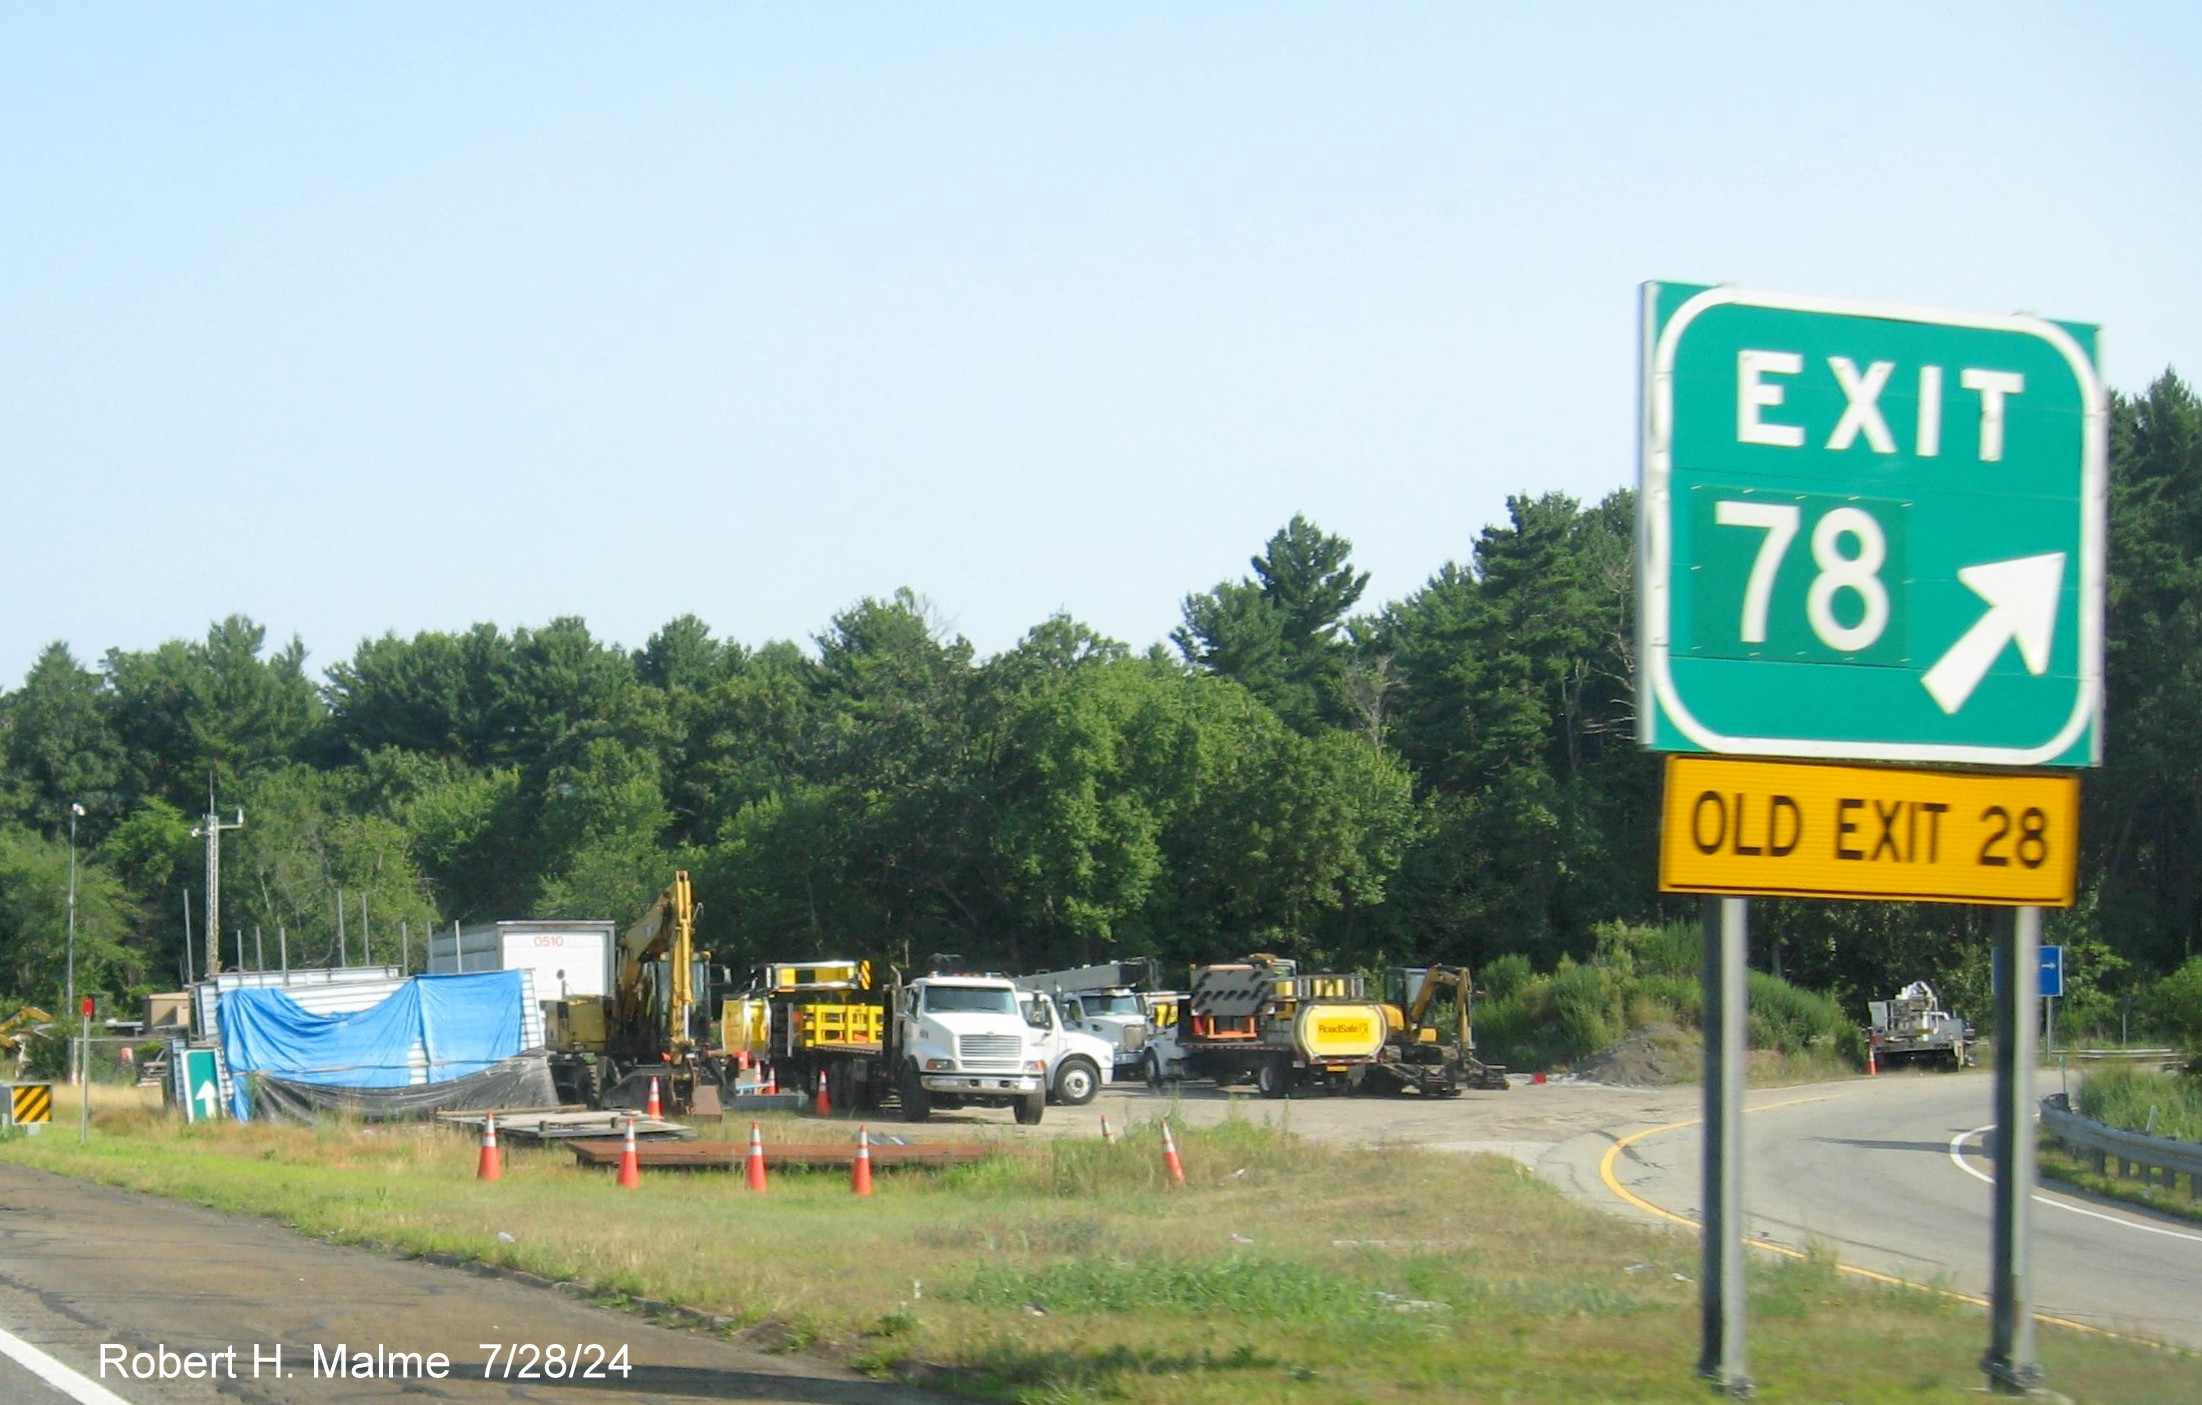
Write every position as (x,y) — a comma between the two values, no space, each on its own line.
(18,1386)
(1887,1173)
(84,1267)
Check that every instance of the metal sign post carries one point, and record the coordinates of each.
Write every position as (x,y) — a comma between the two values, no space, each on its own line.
(84,1058)
(2010,1362)
(1721,1358)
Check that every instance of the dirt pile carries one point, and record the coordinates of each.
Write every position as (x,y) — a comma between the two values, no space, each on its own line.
(1656,1056)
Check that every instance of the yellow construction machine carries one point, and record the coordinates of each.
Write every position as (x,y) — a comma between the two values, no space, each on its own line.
(1418,1057)
(16,1031)
(605,1049)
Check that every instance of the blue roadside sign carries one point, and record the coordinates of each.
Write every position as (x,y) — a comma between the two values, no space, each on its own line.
(2051,977)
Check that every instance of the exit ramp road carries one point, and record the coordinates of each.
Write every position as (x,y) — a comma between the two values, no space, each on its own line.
(1887,1173)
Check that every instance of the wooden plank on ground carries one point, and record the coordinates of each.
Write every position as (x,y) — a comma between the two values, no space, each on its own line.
(566,1123)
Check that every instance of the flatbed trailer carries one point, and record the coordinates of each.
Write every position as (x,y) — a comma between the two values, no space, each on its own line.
(1260,1021)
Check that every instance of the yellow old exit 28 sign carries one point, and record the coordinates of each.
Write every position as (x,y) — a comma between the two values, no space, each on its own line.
(1790,829)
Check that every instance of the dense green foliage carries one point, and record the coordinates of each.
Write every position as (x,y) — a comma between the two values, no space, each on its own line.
(2143,1100)
(1643,979)
(2175,1005)
(1451,775)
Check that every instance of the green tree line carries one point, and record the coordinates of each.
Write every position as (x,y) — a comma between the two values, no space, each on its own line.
(1451,775)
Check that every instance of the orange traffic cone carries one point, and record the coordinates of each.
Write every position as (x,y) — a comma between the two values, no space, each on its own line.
(630,1161)
(653,1109)
(1170,1163)
(741,1068)
(1873,1060)
(824,1105)
(756,1158)
(489,1167)
(772,1081)
(860,1171)
(1107,1135)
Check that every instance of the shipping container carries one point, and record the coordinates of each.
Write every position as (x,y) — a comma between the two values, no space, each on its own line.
(568,958)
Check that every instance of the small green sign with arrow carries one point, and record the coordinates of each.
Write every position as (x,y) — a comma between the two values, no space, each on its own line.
(1869,532)
(202,1086)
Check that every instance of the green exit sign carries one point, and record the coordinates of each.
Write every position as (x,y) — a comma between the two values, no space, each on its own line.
(1869,532)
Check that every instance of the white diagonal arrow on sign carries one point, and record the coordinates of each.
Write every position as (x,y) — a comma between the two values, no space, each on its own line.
(2022,608)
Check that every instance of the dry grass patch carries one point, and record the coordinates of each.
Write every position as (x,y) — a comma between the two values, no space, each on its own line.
(1288,1271)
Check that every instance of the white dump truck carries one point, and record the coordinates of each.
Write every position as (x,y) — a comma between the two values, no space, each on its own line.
(942,1040)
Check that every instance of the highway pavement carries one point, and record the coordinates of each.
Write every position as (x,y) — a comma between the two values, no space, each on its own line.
(90,1273)
(21,1385)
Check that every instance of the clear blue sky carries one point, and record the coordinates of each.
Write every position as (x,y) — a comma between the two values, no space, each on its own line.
(384,317)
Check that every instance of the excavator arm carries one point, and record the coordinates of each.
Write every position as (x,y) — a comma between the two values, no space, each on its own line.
(22,1022)
(1453,978)
(1416,1059)
(667,930)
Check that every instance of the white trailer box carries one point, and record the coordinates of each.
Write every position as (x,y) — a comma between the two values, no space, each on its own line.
(568,958)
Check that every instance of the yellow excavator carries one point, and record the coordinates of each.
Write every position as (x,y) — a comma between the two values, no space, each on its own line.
(606,1049)
(16,1031)
(1417,1057)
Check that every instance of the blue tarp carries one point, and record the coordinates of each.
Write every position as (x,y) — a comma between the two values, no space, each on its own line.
(460,1024)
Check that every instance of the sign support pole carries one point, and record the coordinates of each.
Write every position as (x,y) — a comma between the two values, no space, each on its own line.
(2010,1364)
(1721,1295)
(84,1105)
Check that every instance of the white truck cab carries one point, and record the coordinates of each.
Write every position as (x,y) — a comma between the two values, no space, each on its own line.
(965,1039)
(1078,1063)
(1104,1001)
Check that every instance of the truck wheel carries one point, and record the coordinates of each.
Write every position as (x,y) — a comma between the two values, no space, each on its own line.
(1031,1108)
(917,1104)
(1076,1082)
(1274,1078)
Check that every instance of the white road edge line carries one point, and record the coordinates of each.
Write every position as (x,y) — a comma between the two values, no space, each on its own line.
(1957,1154)
(62,1378)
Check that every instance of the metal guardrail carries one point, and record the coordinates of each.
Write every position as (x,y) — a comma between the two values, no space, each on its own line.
(2158,1160)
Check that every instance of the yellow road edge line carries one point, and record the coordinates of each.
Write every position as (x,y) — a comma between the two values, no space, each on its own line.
(1613,1153)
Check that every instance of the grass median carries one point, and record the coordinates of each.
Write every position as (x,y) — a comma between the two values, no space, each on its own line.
(1285,1271)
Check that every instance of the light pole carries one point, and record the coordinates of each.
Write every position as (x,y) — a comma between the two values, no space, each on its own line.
(76,812)
(211,829)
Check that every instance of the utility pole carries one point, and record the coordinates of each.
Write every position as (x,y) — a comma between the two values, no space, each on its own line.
(211,829)
(76,812)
